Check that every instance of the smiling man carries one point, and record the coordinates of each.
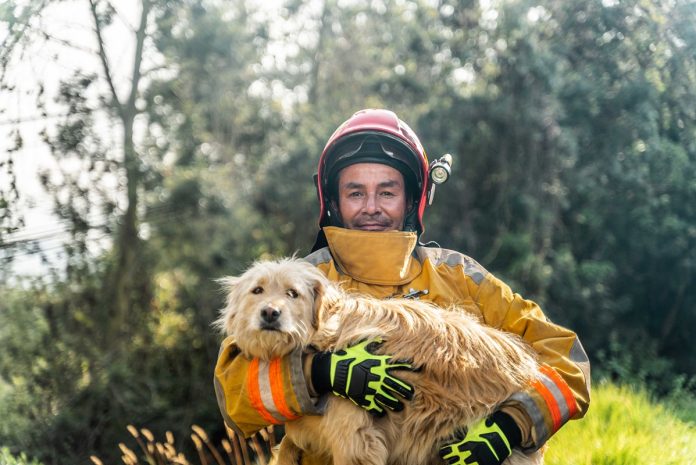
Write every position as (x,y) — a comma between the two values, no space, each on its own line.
(371,197)
(373,184)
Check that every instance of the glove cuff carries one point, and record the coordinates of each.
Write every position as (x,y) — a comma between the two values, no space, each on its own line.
(508,427)
(321,372)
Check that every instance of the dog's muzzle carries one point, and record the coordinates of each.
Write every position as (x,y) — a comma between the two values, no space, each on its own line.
(270,317)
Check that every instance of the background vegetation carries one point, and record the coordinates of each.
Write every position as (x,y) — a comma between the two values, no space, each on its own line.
(572,125)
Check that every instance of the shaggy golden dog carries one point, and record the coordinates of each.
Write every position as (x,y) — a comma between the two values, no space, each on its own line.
(465,369)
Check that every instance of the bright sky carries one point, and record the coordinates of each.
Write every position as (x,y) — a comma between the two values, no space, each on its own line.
(71,46)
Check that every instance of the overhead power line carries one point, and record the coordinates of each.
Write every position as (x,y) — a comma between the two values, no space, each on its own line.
(89,238)
(62,225)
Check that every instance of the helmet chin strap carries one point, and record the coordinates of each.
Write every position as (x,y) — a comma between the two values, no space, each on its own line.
(333,214)
(411,218)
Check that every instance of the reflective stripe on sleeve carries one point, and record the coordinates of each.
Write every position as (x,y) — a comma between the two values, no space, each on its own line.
(258,376)
(557,396)
(550,401)
(571,405)
(276,381)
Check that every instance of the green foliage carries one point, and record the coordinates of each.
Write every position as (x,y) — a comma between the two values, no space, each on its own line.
(624,426)
(6,458)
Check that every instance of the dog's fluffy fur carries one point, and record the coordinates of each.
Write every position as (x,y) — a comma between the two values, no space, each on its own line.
(465,369)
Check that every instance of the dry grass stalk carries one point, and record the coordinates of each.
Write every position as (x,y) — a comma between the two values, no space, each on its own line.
(200,432)
(213,450)
(134,432)
(148,434)
(128,453)
(157,453)
(199,448)
(242,445)
(271,437)
(237,451)
(260,454)
(228,450)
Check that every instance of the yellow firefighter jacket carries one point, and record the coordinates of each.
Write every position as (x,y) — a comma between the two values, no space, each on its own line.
(253,394)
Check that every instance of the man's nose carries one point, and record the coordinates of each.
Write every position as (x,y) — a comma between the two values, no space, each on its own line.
(371,205)
(270,314)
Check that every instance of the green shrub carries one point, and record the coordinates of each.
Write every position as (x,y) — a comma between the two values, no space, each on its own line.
(6,458)
(625,427)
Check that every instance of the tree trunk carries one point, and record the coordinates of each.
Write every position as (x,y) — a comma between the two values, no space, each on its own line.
(127,239)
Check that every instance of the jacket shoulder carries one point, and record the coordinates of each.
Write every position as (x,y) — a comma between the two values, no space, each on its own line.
(451,258)
(319,256)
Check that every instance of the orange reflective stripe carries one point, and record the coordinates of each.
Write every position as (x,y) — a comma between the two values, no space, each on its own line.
(563,387)
(550,403)
(277,390)
(254,393)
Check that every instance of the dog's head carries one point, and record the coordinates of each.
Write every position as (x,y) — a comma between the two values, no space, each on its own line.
(273,307)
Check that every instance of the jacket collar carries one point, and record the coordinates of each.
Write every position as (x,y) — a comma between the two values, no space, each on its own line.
(374,257)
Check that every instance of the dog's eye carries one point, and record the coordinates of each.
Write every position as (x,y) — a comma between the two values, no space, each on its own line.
(292,293)
(257,290)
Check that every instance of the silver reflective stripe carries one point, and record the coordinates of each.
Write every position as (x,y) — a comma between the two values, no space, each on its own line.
(265,391)
(577,352)
(532,409)
(299,384)
(453,258)
(579,357)
(557,395)
(320,256)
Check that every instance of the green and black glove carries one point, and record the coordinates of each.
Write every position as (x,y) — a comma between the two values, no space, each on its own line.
(362,376)
(488,442)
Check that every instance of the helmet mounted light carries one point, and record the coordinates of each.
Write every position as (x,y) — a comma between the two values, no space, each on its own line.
(440,171)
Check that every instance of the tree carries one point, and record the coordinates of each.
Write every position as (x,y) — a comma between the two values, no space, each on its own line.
(129,327)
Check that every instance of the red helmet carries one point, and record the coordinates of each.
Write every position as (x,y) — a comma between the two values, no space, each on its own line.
(374,136)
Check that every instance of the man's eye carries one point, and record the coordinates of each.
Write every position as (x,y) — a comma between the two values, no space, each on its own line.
(387,194)
(292,293)
(257,290)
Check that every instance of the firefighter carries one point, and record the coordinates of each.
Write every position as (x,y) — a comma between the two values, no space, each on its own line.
(374,183)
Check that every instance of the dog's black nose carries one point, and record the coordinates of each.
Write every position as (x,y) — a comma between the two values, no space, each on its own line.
(270,314)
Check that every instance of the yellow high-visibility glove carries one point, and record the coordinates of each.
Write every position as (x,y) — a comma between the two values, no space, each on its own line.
(362,376)
(488,442)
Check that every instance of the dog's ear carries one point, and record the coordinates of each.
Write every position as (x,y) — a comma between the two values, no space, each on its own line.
(229,282)
(227,313)
(318,289)
(324,295)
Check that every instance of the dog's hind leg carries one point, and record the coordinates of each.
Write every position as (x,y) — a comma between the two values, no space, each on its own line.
(354,438)
(287,454)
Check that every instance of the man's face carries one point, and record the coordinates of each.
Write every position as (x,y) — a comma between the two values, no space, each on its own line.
(372,197)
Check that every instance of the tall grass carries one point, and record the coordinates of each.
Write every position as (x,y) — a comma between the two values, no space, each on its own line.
(625,427)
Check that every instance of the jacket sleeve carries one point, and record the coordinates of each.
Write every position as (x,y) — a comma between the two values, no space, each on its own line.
(253,393)
(562,389)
